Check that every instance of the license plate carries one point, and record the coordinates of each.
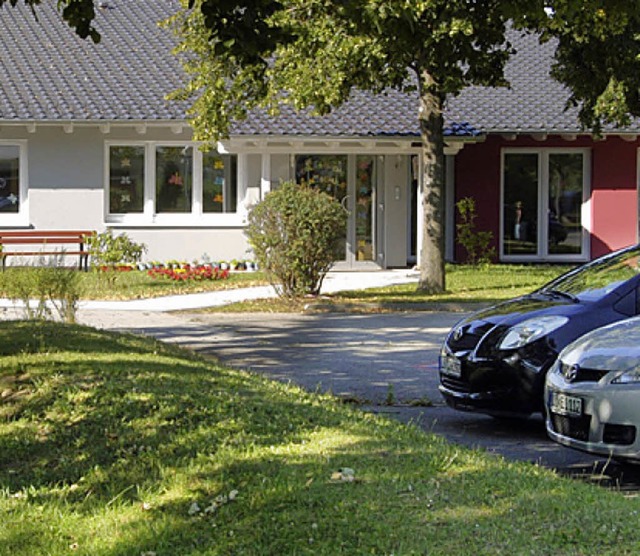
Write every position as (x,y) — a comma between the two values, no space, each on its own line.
(449,365)
(565,405)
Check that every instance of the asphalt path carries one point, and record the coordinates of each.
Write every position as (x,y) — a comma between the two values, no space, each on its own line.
(386,363)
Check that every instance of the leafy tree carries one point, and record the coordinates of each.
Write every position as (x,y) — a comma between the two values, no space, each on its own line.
(241,54)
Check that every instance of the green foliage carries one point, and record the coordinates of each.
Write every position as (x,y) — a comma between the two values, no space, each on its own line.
(105,249)
(477,244)
(295,233)
(47,290)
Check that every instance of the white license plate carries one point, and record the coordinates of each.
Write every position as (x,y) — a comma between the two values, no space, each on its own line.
(451,366)
(565,405)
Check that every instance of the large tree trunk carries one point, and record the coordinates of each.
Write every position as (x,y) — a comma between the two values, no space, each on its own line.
(432,275)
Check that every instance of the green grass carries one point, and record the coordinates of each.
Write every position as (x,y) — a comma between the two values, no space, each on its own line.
(138,285)
(118,445)
(464,285)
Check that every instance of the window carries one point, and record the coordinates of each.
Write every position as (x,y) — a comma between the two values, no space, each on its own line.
(542,197)
(164,183)
(13,189)
(219,187)
(174,179)
(126,180)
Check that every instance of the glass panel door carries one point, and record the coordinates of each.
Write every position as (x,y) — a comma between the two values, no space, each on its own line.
(351,179)
(328,173)
(565,203)
(365,201)
(520,204)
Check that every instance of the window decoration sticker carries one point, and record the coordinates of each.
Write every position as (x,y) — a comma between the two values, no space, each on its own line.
(125,180)
(125,163)
(10,199)
(175,179)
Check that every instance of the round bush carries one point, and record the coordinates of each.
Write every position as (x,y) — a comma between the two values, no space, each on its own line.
(296,233)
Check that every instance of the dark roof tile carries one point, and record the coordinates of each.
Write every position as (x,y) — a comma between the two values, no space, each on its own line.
(48,73)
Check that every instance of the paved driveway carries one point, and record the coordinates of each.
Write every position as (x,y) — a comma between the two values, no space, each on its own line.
(370,359)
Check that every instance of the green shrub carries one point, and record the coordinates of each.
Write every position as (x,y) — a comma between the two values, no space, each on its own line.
(47,289)
(477,244)
(296,234)
(107,251)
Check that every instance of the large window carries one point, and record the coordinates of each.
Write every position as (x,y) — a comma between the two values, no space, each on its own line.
(164,183)
(220,191)
(126,179)
(174,179)
(13,189)
(542,197)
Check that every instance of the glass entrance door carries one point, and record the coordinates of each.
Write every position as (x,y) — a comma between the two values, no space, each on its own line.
(351,179)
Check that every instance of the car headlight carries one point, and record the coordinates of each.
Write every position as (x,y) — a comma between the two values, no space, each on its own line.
(531,330)
(628,377)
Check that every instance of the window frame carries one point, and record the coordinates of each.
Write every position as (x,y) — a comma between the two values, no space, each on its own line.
(20,218)
(542,254)
(149,216)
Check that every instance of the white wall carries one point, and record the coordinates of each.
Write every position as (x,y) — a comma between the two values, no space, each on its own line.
(66,175)
(396,189)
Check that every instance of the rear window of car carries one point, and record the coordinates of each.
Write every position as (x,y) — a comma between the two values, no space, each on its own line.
(597,279)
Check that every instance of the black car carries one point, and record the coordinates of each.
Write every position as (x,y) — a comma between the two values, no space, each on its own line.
(495,361)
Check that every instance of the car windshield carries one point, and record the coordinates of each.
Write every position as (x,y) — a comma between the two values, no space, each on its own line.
(594,280)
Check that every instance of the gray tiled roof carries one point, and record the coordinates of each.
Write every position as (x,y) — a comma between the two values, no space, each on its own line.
(49,74)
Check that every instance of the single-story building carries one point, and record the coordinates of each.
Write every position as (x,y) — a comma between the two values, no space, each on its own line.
(89,141)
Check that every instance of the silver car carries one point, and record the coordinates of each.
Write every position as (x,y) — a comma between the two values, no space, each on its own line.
(592,392)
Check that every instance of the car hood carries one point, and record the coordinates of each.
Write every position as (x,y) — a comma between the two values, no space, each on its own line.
(529,306)
(615,347)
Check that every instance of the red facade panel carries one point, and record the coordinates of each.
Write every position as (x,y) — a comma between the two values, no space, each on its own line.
(612,216)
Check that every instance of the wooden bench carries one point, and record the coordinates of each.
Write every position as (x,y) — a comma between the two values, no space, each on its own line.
(48,240)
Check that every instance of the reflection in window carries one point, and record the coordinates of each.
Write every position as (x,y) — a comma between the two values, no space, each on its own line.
(365,176)
(520,204)
(219,183)
(565,203)
(174,169)
(328,173)
(543,194)
(9,179)
(126,179)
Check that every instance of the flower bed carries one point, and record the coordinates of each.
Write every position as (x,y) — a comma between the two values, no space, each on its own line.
(188,272)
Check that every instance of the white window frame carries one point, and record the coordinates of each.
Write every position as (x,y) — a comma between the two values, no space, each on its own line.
(195,218)
(20,218)
(542,254)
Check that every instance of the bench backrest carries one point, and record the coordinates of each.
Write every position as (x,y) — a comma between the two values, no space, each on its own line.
(35,236)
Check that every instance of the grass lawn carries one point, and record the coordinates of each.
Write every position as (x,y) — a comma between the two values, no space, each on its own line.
(117,445)
(465,284)
(139,285)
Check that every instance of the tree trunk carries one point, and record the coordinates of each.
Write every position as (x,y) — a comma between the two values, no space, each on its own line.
(432,274)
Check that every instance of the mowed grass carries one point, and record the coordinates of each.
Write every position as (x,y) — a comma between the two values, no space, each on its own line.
(137,284)
(465,284)
(119,445)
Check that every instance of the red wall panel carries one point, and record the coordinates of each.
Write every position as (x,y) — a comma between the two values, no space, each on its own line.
(613,204)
